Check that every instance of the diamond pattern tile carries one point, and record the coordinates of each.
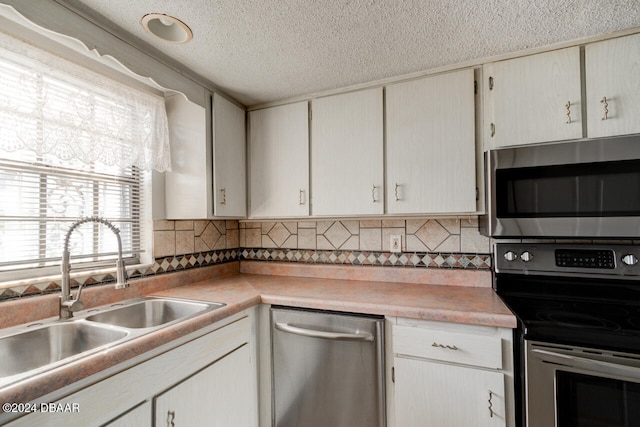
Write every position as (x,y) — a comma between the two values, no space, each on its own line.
(279,234)
(337,234)
(210,235)
(432,234)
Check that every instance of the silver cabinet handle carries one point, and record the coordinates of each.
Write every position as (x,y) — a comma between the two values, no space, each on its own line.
(301,197)
(171,415)
(373,194)
(360,336)
(224,196)
(490,404)
(493,130)
(448,347)
(568,107)
(396,191)
(605,105)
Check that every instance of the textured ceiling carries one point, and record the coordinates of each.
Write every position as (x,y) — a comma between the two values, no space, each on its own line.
(260,51)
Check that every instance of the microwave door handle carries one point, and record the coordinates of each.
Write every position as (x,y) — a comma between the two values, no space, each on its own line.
(598,366)
(361,336)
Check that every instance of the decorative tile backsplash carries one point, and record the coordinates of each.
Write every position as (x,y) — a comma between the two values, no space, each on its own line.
(184,244)
(453,235)
(188,237)
(426,243)
(372,258)
(160,266)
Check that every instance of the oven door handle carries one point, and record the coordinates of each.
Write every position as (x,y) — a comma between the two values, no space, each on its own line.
(598,366)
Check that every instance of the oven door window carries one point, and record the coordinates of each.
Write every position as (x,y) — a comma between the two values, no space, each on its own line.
(603,189)
(591,401)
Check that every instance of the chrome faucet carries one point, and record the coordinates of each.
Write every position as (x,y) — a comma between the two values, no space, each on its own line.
(68,304)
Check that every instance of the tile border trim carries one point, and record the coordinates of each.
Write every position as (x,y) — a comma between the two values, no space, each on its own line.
(370,258)
(170,264)
(160,266)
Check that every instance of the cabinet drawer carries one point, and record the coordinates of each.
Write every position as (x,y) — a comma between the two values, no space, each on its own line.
(468,349)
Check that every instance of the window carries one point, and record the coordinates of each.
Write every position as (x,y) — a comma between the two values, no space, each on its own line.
(73,144)
(41,200)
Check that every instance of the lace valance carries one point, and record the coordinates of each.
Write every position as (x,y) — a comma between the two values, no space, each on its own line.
(62,111)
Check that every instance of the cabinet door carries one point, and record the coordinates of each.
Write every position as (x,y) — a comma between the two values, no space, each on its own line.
(534,98)
(188,184)
(140,416)
(431,145)
(221,395)
(347,154)
(279,153)
(613,86)
(434,394)
(229,159)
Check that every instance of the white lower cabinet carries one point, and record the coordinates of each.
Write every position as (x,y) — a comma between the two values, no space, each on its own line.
(210,380)
(438,394)
(215,396)
(452,375)
(141,415)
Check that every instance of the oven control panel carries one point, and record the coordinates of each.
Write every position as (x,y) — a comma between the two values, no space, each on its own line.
(585,258)
(551,258)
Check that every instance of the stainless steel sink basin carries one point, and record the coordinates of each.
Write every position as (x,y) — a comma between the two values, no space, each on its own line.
(26,351)
(151,313)
(32,349)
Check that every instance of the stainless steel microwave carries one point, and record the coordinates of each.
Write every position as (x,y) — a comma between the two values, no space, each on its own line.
(588,188)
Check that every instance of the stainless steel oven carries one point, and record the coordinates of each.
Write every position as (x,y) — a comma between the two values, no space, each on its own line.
(577,346)
(585,189)
(574,386)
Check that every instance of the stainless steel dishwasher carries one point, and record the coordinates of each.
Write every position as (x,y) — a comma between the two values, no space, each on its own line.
(328,369)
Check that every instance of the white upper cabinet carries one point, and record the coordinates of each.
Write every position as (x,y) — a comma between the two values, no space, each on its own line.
(188,184)
(279,161)
(612,69)
(430,150)
(197,165)
(229,159)
(347,154)
(533,99)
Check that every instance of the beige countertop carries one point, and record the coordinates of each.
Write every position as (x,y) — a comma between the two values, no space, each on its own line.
(459,304)
(476,304)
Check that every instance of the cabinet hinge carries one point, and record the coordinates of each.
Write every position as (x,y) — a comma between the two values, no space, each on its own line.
(475,87)
(393,374)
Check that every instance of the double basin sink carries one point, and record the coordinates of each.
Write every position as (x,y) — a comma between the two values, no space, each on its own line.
(35,348)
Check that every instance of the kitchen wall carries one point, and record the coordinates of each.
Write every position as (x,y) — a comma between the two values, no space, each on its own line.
(426,242)
(181,244)
(422,234)
(187,237)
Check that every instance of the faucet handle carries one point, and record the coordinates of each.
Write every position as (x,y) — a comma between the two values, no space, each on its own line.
(72,305)
(121,275)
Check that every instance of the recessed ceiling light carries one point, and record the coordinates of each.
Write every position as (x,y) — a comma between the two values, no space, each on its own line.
(167,28)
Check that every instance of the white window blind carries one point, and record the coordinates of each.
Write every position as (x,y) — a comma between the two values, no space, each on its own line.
(73,143)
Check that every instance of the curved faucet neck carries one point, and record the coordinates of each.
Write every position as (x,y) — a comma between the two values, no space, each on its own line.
(68,304)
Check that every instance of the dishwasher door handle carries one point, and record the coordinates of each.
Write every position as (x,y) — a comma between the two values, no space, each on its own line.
(360,336)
